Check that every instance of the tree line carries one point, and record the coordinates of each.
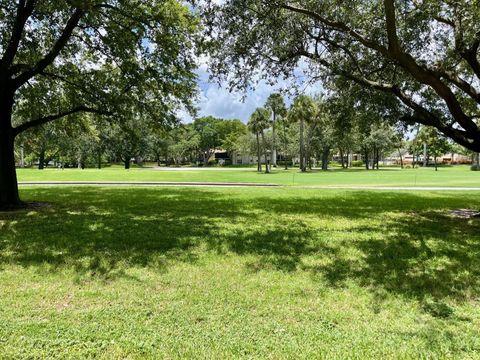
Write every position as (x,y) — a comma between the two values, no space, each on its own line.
(414,61)
(307,134)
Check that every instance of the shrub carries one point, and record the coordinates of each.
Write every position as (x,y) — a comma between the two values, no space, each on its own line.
(282,163)
(357,163)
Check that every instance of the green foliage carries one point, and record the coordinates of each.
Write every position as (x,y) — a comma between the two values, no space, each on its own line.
(259,120)
(276,104)
(383,47)
(182,142)
(122,58)
(231,131)
(436,144)
(357,163)
(214,133)
(303,109)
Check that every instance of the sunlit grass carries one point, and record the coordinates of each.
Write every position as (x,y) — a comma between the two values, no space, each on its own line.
(270,273)
(457,176)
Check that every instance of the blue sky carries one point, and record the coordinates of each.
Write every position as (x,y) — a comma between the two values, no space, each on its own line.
(217,101)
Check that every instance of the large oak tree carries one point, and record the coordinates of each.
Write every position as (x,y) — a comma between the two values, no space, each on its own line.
(61,58)
(422,53)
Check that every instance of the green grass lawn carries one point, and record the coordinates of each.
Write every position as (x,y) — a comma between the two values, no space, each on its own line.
(239,273)
(457,176)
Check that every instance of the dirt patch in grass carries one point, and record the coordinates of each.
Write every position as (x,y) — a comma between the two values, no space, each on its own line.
(26,206)
(465,213)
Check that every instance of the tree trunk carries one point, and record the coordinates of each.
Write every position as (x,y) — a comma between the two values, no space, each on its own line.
(274,143)
(425,161)
(325,159)
(99,159)
(41,159)
(9,197)
(267,168)
(342,160)
(302,147)
(308,148)
(127,162)
(286,145)
(365,150)
(401,158)
(259,164)
(435,160)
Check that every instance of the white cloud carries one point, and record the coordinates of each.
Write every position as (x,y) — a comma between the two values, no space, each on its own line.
(216,100)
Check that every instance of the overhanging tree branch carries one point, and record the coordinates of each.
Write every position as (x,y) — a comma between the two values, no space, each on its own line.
(54,52)
(421,73)
(24,10)
(336,25)
(46,119)
(422,115)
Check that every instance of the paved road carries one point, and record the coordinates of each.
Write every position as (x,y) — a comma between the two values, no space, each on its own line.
(222,184)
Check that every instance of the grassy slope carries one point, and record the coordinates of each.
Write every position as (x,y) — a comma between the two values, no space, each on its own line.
(272,273)
(459,176)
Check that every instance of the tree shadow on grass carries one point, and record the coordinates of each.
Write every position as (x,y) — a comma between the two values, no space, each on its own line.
(399,242)
(435,257)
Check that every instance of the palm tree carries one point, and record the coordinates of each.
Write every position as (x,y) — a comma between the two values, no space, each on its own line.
(303,110)
(259,121)
(277,106)
(284,121)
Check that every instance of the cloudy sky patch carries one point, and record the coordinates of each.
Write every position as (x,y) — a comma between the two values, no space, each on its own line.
(218,101)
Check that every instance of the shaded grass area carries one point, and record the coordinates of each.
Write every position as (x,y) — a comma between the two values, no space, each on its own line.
(270,273)
(457,176)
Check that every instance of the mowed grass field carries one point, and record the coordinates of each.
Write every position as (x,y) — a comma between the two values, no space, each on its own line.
(456,176)
(274,273)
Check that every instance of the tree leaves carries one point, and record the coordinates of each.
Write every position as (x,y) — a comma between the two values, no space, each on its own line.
(121,57)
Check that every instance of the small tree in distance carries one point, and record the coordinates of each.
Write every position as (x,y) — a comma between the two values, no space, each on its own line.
(276,104)
(303,110)
(260,121)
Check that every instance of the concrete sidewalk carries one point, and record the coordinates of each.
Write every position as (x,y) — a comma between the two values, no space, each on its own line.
(144,183)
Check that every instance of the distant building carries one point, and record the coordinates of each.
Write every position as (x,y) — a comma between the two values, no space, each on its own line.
(450,159)
(237,158)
